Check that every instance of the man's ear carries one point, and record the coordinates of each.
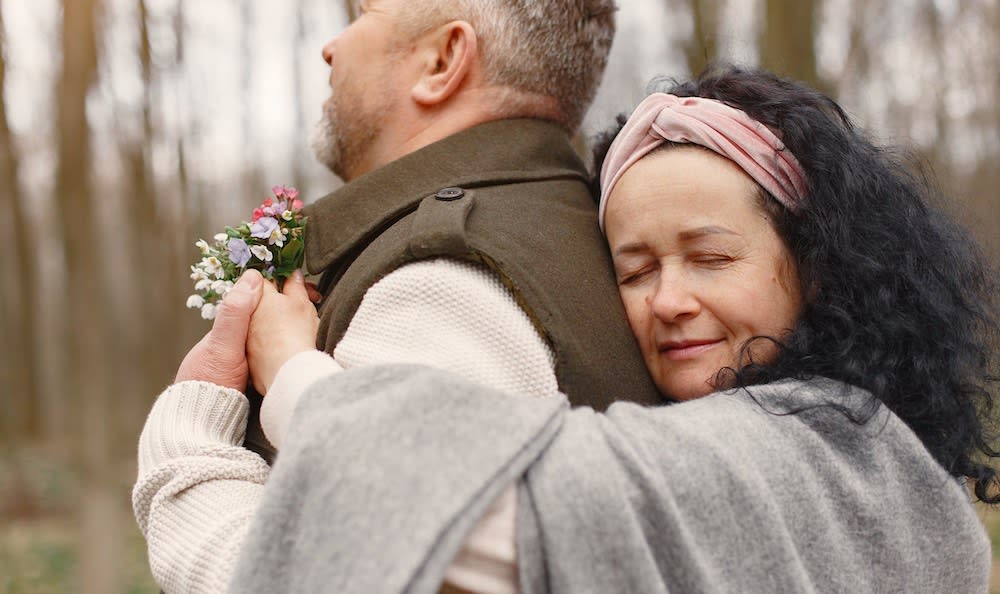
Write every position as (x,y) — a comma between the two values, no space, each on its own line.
(448,54)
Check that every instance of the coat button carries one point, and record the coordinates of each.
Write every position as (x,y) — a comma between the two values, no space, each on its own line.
(449,194)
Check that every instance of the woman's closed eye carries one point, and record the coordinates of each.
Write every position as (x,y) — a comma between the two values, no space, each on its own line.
(635,275)
(712,259)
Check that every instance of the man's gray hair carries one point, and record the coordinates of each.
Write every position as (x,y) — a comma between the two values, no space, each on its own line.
(541,50)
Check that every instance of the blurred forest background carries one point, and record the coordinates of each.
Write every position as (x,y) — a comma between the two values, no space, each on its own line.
(130,128)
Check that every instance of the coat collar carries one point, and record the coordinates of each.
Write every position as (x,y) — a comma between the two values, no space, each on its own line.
(495,153)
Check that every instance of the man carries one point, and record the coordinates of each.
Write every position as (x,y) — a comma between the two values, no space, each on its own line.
(450,121)
(465,238)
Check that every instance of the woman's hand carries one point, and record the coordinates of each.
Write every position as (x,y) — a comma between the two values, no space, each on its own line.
(283,325)
(220,356)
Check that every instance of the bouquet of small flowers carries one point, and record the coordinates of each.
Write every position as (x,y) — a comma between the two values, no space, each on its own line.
(271,243)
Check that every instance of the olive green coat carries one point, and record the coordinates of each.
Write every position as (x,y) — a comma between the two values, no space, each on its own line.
(517,200)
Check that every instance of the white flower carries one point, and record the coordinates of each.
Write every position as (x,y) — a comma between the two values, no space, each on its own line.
(277,237)
(208,311)
(287,215)
(198,273)
(195,301)
(221,237)
(262,253)
(203,284)
(203,246)
(212,266)
(222,287)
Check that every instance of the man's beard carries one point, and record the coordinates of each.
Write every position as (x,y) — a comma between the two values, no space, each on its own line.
(341,138)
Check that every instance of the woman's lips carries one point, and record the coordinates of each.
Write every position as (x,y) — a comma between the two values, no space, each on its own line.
(688,349)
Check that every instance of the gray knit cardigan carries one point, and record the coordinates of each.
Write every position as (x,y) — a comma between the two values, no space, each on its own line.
(763,490)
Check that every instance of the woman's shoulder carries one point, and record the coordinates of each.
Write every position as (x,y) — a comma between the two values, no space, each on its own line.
(828,439)
(815,467)
(763,401)
(760,403)
(814,423)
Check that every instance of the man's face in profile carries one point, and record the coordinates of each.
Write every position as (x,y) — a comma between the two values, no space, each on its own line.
(364,64)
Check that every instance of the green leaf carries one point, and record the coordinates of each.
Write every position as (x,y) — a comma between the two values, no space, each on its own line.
(292,252)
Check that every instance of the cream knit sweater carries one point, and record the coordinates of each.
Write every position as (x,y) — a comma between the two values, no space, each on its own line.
(198,488)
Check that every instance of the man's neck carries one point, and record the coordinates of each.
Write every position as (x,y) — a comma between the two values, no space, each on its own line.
(397,141)
(418,127)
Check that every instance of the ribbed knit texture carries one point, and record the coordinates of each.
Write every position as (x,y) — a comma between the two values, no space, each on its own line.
(455,316)
(197,489)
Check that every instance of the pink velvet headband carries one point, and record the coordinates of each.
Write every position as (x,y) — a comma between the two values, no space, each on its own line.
(713,125)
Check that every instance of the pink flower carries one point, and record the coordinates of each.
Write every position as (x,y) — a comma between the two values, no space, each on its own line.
(268,202)
(296,204)
(285,192)
(257,214)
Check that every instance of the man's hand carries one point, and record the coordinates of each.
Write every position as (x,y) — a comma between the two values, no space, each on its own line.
(220,357)
(283,325)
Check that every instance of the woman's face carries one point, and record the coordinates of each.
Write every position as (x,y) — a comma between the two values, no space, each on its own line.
(699,265)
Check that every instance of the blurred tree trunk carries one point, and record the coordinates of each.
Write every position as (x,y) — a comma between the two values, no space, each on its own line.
(985,207)
(859,62)
(9,302)
(86,335)
(298,171)
(146,241)
(182,217)
(703,46)
(19,417)
(254,179)
(991,198)
(787,39)
(937,152)
(20,289)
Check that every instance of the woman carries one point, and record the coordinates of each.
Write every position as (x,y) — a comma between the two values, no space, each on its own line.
(897,299)
(760,243)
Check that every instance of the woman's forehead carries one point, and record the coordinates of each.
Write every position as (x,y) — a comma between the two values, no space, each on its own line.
(688,193)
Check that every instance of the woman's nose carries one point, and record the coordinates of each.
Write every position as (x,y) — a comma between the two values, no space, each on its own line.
(673,300)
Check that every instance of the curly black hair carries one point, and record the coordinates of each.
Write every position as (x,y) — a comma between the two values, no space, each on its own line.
(900,300)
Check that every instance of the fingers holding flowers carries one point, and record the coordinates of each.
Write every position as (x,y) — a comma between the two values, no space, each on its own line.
(220,356)
(269,248)
(283,325)
(272,243)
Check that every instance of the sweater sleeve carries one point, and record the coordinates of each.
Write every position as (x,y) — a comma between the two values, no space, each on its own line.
(456,316)
(197,487)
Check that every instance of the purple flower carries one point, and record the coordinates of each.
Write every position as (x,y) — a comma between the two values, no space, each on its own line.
(268,228)
(263,228)
(239,252)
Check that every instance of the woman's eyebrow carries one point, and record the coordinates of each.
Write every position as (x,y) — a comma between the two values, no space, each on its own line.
(631,248)
(691,234)
(686,235)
